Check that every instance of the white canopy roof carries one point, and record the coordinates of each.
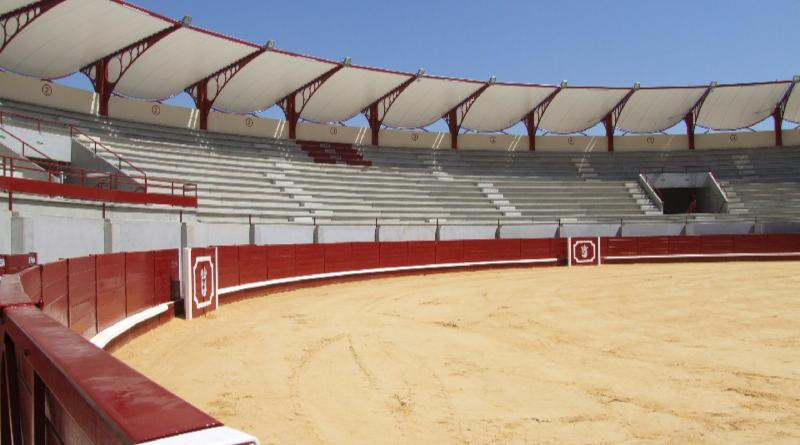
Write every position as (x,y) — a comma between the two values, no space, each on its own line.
(732,107)
(74,34)
(10,5)
(426,100)
(267,79)
(177,61)
(578,109)
(792,111)
(348,92)
(504,105)
(655,109)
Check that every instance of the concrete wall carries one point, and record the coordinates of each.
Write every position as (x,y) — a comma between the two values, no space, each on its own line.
(131,236)
(54,237)
(740,139)
(203,235)
(246,125)
(345,234)
(502,142)
(652,229)
(656,142)
(529,231)
(283,234)
(407,233)
(778,227)
(332,133)
(47,94)
(5,232)
(570,230)
(791,137)
(467,232)
(720,228)
(413,139)
(152,113)
(52,145)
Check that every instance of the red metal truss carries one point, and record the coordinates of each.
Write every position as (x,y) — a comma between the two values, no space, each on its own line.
(780,109)
(455,117)
(692,115)
(107,72)
(376,111)
(610,121)
(305,92)
(534,118)
(206,91)
(14,22)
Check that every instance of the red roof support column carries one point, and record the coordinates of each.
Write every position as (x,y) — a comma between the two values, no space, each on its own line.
(610,121)
(780,108)
(691,117)
(21,18)
(204,96)
(377,110)
(532,119)
(108,71)
(456,116)
(305,92)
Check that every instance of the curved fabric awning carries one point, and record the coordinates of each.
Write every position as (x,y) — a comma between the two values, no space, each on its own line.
(348,92)
(503,105)
(580,108)
(792,111)
(177,61)
(649,110)
(10,5)
(74,34)
(426,100)
(267,79)
(733,107)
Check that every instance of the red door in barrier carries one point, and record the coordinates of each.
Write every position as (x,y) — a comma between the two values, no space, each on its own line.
(201,273)
(584,251)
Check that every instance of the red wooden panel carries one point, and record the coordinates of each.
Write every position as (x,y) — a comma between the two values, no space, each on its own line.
(654,245)
(685,245)
(623,246)
(165,265)
(449,252)
(280,261)
(338,257)
(82,296)
(478,250)
(31,280)
(309,259)
(783,243)
(55,291)
(717,244)
(750,243)
(110,289)
(393,254)
(252,264)
(507,249)
(558,248)
(365,255)
(421,253)
(228,263)
(139,282)
(531,249)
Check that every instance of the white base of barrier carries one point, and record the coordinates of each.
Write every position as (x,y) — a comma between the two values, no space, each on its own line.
(232,289)
(213,436)
(107,335)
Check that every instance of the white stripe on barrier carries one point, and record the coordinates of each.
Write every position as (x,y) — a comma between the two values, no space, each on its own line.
(701,255)
(232,289)
(221,435)
(108,334)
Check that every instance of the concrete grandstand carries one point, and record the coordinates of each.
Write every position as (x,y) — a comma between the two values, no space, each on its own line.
(114,171)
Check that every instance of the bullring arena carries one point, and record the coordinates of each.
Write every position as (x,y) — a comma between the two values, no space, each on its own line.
(399,257)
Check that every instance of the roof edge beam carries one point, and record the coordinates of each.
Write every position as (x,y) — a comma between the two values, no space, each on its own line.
(23,17)
(106,72)
(534,117)
(206,91)
(377,111)
(780,109)
(610,120)
(455,117)
(691,117)
(306,92)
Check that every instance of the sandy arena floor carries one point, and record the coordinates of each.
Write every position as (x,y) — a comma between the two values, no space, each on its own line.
(688,353)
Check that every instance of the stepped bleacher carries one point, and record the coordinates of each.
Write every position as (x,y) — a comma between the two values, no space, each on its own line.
(242,178)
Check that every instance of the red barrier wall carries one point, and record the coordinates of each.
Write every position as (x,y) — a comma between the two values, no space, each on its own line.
(139,282)
(280,261)
(365,255)
(110,289)
(670,248)
(166,272)
(83,296)
(55,289)
(228,262)
(309,259)
(421,252)
(252,264)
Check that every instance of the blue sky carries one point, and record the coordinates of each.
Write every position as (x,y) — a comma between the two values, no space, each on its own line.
(598,42)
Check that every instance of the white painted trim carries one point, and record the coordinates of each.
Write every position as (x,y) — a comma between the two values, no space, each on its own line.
(107,335)
(221,435)
(703,255)
(569,251)
(599,251)
(232,289)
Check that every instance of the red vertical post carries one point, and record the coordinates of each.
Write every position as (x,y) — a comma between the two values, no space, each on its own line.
(608,122)
(452,124)
(777,116)
(689,119)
